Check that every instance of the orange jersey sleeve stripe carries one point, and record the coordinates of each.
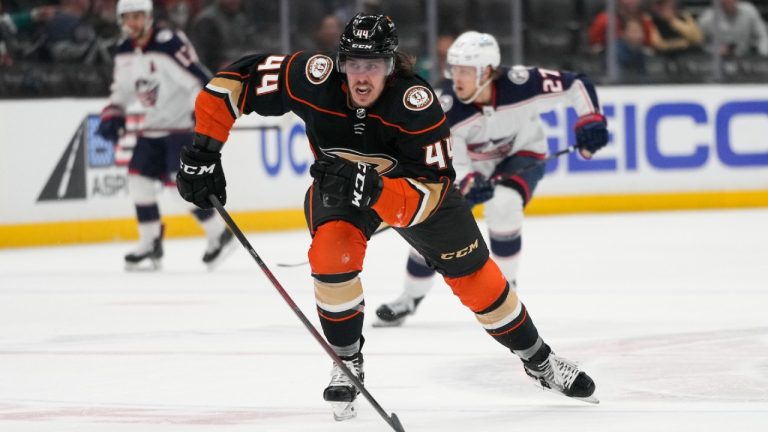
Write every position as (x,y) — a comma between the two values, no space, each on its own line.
(212,116)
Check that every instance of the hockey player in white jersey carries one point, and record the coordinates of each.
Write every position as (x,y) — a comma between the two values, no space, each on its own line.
(157,67)
(498,145)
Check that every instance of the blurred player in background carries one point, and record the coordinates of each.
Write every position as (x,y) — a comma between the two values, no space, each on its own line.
(498,147)
(158,67)
(383,150)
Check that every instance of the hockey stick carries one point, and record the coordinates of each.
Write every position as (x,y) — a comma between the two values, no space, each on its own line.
(392,419)
(494,180)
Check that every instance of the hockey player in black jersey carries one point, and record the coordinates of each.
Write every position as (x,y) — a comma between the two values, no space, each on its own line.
(383,154)
(498,145)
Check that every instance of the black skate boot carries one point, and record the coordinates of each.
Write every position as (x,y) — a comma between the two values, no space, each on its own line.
(218,249)
(562,376)
(146,257)
(341,393)
(393,314)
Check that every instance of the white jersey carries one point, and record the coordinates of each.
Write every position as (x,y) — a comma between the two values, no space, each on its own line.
(164,77)
(484,135)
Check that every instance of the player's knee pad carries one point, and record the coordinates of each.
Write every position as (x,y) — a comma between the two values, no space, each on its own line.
(479,290)
(504,212)
(142,190)
(504,215)
(337,252)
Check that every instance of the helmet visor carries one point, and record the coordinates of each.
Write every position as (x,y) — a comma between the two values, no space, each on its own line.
(366,65)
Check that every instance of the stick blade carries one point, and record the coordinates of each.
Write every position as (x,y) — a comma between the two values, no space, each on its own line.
(395,423)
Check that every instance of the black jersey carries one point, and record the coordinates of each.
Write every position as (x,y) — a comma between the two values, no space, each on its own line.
(404,135)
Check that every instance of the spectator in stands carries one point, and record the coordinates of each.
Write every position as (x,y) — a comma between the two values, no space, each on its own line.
(345,13)
(677,30)
(178,13)
(741,31)
(631,50)
(626,10)
(326,36)
(222,33)
(69,35)
(104,20)
(12,23)
(424,65)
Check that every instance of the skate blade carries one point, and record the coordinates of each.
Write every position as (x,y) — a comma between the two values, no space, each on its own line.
(380,323)
(343,410)
(590,399)
(225,252)
(144,266)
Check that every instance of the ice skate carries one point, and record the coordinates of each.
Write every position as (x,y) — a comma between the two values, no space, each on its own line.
(341,392)
(218,249)
(393,314)
(562,376)
(147,257)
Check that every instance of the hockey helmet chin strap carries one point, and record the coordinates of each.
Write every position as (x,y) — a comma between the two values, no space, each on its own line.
(478,90)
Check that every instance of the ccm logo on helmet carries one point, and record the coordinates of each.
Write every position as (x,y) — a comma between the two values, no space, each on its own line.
(363,46)
(194,170)
(461,252)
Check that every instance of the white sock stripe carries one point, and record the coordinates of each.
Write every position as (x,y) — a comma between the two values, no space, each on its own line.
(340,307)
(506,320)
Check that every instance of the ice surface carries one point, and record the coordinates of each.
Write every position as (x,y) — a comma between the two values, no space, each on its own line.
(667,311)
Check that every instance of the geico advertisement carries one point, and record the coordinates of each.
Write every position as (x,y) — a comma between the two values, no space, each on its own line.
(662,139)
(665,139)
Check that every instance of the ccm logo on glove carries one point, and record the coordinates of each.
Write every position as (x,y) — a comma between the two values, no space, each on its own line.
(357,195)
(198,170)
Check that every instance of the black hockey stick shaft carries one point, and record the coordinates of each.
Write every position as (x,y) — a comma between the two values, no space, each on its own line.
(392,419)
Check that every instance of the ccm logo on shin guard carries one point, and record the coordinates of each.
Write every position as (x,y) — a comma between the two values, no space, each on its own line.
(357,193)
(197,170)
(461,252)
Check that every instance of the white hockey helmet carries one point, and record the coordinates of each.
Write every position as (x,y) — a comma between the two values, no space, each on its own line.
(125,6)
(474,49)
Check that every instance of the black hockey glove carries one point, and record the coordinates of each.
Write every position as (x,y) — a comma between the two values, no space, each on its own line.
(201,173)
(476,189)
(112,123)
(591,134)
(343,183)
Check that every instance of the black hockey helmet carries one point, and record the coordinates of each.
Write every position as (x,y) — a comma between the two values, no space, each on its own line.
(367,36)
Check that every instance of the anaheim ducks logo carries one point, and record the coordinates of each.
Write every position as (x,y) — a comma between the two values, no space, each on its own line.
(381,162)
(417,98)
(319,68)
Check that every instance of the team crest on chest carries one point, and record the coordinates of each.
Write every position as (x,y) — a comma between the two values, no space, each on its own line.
(319,68)
(417,98)
(446,102)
